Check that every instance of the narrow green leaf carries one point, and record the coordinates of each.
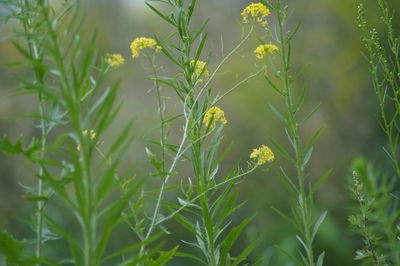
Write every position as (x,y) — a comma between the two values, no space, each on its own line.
(307,157)
(288,182)
(185,203)
(272,84)
(164,257)
(185,223)
(278,147)
(191,9)
(231,238)
(292,33)
(153,160)
(167,53)
(186,255)
(245,253)
(203,26)
(320,260)
(290,256)
(161,15)
(321,181)
(318,224)
(200,48)
(301,99)
(302,243)
(286,217)
(314,136)
(10,248)
(277,113)
(311,114)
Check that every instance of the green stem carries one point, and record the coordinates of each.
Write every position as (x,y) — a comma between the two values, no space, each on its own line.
(162,136)
(28,26)
(40,204)
(90,220)
(303,202)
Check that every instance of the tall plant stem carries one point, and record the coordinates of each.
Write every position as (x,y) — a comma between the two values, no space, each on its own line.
(33,48)
(303,201)
(40,204)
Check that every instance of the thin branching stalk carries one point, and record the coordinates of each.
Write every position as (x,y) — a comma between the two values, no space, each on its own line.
(302,216)
(381,205)
(34,51)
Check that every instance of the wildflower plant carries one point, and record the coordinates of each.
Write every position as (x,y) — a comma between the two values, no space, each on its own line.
(384,66)
(280,77)
(78,166)
(208,199)
(76,107)
(374,218)
(377,219)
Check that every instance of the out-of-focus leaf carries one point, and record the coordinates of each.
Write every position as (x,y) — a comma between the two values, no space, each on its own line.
(10,248)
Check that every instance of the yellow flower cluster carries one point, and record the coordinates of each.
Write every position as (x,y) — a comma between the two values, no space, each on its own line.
(264,49)
(263,154)
(213,115)
(92,135)
(115,60)
(256,10)
(143,43)
(199,70)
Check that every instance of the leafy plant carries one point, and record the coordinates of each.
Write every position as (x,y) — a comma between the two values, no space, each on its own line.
(282,79)
(209,201)
(377,215)
(375,191)
(76,108)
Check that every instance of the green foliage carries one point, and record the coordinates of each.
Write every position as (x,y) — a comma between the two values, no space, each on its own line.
(74,167)
(377,217)
(73,98)
(283,82)
(10,248)
(384,65)
(209,201)
(81,197)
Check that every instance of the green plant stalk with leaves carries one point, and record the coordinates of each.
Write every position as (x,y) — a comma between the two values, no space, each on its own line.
(70,85)
(303,191)
(376,217)
(211,197)
(384,64)
(31,28)
(380,191)
(362,220)
(29,25)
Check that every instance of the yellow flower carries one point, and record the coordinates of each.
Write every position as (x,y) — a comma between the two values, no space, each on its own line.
(115,60)
(143,43)
(92,135)
(199,70)
(264,49)
(213,115)
(263,154)
(256,10)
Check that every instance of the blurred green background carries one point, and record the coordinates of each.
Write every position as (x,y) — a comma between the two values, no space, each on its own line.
(337,76)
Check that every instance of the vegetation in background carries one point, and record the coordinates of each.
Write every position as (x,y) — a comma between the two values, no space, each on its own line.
(83,200)
(281,77)
(376,191)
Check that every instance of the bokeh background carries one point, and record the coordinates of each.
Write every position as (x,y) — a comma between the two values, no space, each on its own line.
(328,43)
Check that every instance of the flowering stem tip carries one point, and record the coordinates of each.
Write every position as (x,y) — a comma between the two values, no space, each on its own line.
(263,154)
(143,43)
(256,10)
(213,115)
